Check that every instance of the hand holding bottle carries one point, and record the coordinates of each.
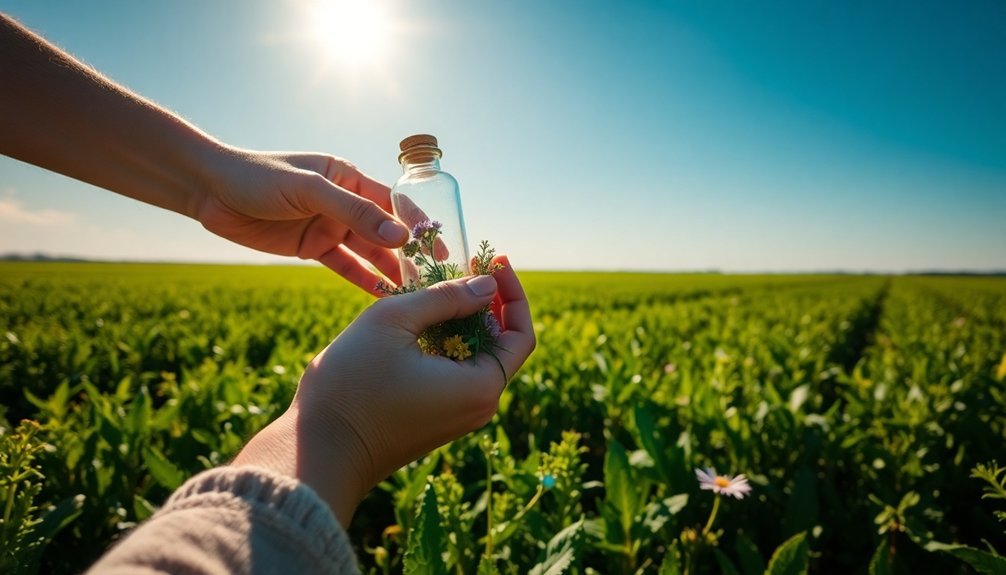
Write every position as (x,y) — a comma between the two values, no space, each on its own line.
(64,116)
(312,206)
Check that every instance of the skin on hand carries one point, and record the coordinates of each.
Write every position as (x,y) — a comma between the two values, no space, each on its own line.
(372,401)
(313,206)
(63,116)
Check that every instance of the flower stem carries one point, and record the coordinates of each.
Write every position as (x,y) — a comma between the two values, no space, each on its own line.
(530,503)
(712,516)
(489,505)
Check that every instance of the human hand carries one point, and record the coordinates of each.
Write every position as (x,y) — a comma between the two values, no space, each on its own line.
(312,206)
(372,401)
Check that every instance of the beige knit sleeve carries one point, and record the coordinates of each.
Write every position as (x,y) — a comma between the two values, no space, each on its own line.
(236,520)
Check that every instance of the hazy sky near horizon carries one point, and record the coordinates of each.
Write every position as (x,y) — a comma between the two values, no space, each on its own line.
(740,136)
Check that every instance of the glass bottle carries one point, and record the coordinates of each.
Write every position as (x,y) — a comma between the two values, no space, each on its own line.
(426,195)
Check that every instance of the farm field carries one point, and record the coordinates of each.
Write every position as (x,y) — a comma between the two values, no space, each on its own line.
(859,408)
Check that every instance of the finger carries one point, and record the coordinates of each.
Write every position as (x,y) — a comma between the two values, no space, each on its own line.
(515,311)
(343,262)
(420,309)
(408,211)
(363,216)
(517,340)
(411,214)
(343,173)
(384,259)
(440,251)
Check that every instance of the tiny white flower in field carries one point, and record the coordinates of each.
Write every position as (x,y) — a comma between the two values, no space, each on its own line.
(723,484)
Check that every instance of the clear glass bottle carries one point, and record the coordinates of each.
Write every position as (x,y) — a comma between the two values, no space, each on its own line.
(426,194)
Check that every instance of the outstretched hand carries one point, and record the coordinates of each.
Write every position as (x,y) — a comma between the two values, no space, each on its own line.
(312,206)
(373,401)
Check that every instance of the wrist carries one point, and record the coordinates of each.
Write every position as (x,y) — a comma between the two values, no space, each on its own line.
(203,161)
(291,447)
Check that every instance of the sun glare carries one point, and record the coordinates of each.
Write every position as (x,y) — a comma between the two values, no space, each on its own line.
(352,31)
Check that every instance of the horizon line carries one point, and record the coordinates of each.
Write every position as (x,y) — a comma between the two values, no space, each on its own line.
(47,258)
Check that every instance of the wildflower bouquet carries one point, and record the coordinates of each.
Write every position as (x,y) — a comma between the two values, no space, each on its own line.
(460,338)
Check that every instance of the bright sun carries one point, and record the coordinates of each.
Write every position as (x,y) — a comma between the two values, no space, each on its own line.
(353,31)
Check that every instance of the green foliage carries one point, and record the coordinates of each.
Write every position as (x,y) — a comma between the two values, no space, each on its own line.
(880,564)
(982,561)
(790,558)
(24,526)
(561,551)
(995,483)
(20,484)
(458,338)
(862,410)
(424,555)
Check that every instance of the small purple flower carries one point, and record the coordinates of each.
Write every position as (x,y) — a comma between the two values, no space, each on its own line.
(424,227)
(492,326)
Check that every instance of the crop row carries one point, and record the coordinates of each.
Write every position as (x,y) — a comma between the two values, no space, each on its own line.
(857,407)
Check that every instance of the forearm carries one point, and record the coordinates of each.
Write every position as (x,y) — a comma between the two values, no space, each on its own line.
(58,114)
(288,446)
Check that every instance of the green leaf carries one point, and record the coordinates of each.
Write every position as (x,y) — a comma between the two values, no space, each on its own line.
(57,518)
(142,508)
(801,506)
(487,566)
(561,551)
(880,564)
(657,514)
(981,561)
(671,564)
(163,471)
(650,438)
(726,566)
(620,490)
(139,412)
(790,558)
(749,556)
(427,539)
(418,480)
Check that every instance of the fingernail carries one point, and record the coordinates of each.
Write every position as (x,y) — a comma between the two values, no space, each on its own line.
(393,232)
(482,285)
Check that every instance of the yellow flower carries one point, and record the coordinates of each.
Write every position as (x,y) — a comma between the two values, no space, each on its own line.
(456,348)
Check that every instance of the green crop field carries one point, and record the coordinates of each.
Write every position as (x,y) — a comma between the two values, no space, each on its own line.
(866,412)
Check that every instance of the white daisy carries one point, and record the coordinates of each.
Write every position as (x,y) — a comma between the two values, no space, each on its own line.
(723,484)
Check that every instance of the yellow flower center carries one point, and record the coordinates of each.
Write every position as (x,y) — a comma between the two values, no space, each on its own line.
(454,347)
(721,481)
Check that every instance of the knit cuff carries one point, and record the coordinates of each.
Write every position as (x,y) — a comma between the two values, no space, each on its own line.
(288,505)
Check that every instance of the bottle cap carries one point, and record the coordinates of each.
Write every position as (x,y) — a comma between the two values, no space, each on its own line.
(418,140)
(419,147)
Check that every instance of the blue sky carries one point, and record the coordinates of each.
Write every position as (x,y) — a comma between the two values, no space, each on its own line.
(741,136)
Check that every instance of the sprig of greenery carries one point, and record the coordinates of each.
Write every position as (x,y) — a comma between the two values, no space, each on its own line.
(20,484)
(459,338)
(995,487)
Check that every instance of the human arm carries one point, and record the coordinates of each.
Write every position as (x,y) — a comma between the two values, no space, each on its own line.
(372,401)
(61,115)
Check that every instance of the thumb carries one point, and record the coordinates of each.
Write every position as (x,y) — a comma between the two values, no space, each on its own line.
(363,216)
(420,309)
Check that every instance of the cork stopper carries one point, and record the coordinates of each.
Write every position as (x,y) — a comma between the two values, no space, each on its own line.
(419,148)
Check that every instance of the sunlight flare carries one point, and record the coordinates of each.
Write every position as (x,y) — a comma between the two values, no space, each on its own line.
(354,32)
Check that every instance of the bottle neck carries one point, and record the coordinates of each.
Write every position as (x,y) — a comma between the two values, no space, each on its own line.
(420,165)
